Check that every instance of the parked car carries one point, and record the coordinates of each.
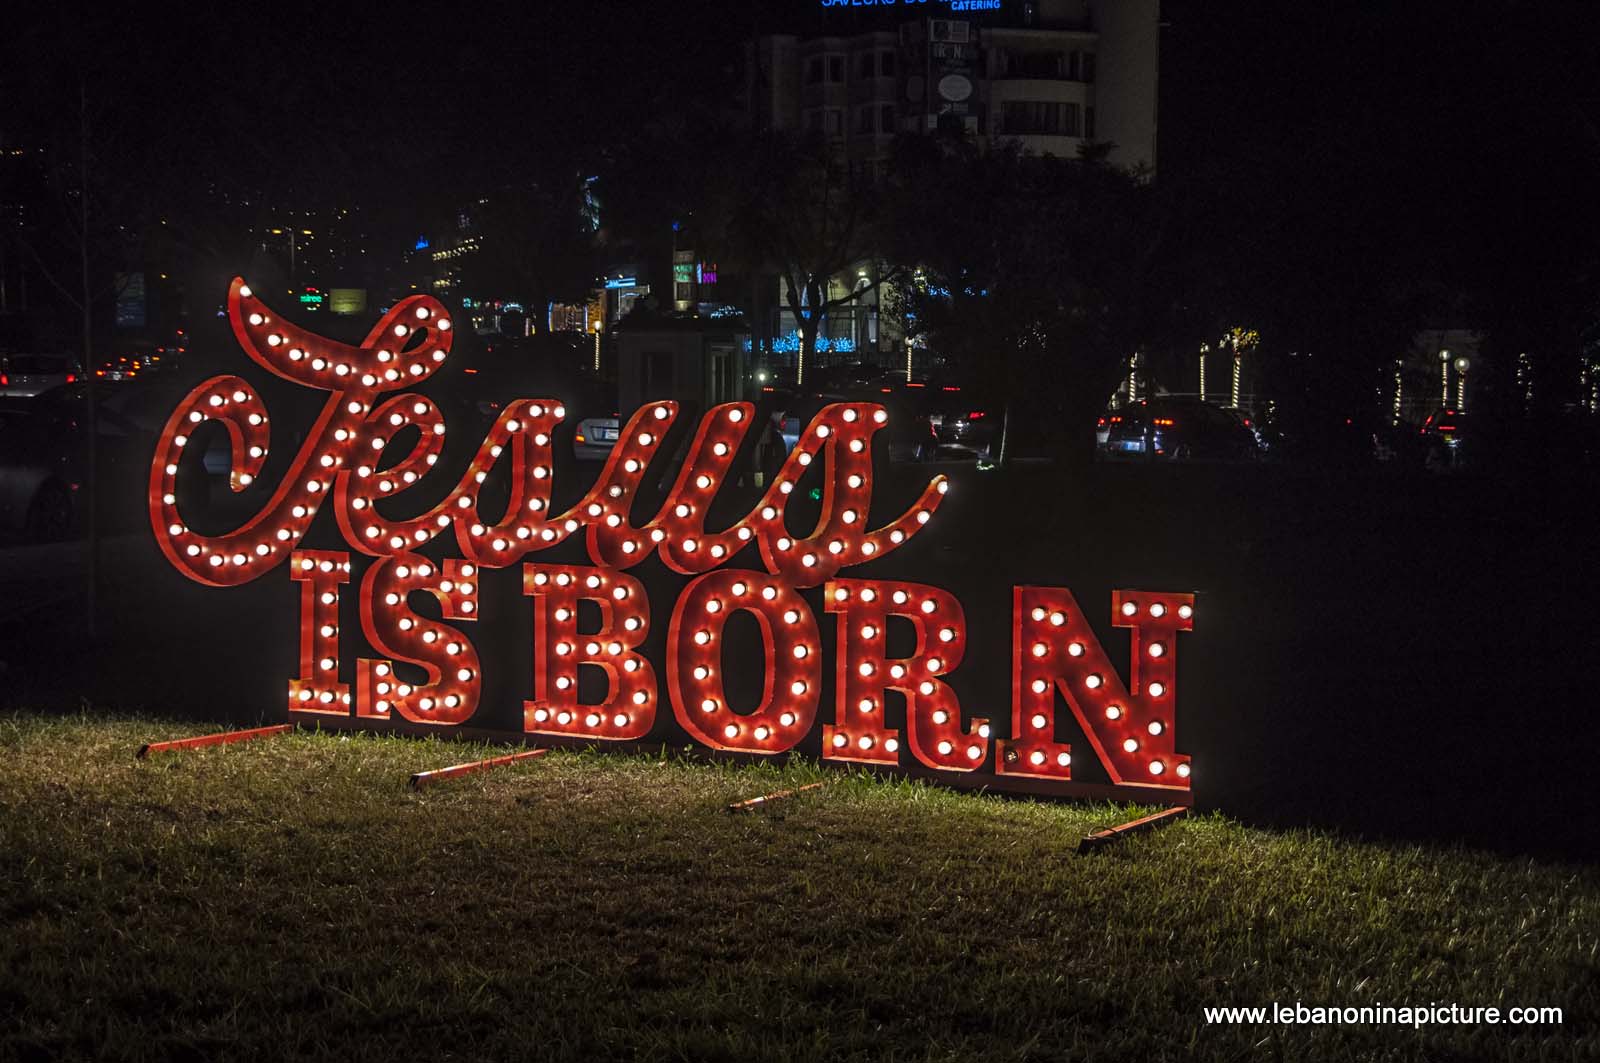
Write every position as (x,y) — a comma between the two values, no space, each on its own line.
(961,432)
(41,469)
(595,437)
(1312,434)
(44,457)
(1179,430)
(26,375)
(1449,441)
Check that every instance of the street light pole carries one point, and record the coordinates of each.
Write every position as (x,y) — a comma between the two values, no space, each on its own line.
(1234,391)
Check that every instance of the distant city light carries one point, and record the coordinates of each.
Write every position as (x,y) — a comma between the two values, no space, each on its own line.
(953,5)
(790,343)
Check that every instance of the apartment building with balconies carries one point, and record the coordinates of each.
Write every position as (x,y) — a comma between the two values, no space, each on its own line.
(1057,76)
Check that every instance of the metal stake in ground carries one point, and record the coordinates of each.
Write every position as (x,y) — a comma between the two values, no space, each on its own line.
(1104,836)
(221,739)
(757,802)
(427,778)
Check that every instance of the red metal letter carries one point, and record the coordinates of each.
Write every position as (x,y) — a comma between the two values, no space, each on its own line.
(450,693)
(629,710)
(865,675)
(694,662)
(1053,648)
(318,689)
(405,347)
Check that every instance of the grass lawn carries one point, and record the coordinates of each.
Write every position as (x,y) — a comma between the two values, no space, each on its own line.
(292,898)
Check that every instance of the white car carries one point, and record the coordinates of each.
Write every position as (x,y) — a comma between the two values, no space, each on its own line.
(594,438)
(26,375)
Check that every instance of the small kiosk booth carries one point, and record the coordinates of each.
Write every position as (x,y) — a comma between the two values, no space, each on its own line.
(696,361)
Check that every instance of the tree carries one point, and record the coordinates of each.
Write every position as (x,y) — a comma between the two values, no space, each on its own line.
(796,208)
(536,244)
(1043,274)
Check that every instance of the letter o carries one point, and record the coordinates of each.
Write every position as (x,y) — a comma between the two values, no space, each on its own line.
(694,640)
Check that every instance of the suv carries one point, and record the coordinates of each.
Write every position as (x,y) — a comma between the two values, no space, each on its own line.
(26,375)
(1179,430)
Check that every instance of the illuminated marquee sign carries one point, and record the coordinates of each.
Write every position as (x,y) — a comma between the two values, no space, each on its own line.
(1056,657)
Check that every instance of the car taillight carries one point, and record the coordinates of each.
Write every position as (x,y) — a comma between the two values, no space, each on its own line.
(579,438)
(1165,421)
(72,378)
(1101,423)
(5,381)
(975,414)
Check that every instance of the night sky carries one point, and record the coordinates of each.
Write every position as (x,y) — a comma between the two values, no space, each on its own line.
(1455,125)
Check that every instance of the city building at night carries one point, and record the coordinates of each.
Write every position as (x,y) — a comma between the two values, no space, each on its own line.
(1057,77)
